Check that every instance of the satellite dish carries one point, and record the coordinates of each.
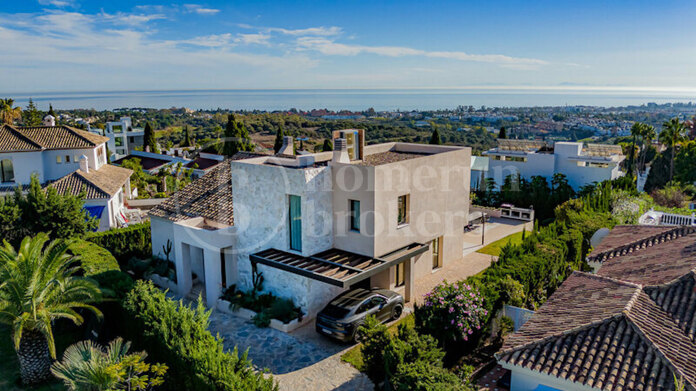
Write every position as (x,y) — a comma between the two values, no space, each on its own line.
(599,236)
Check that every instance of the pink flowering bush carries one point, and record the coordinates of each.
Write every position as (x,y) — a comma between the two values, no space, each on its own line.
(451,313)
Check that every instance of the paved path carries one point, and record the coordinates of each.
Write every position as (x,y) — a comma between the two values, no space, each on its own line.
(303,361)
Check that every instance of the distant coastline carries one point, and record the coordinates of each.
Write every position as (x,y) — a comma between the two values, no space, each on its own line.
(357,99)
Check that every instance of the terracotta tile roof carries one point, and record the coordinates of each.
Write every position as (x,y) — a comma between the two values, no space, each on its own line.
(630,327)
(102,183)
(15,138)
(209,196)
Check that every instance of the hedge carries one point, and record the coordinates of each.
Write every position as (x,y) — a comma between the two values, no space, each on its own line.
(125,243)
(93,258)
(177,335)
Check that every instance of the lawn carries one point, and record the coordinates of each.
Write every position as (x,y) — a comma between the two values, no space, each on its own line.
(9,369)
(494,248)
(354,355)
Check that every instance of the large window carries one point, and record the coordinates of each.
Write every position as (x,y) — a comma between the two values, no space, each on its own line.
(403,210)
(399,275)
(7,170)
(436,247)
(117,129)
(59,159)
(355,215)
(118,141)
(295,222)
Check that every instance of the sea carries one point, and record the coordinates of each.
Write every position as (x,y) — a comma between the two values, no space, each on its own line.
(348,99)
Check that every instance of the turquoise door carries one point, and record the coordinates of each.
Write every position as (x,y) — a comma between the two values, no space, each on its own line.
(295,223)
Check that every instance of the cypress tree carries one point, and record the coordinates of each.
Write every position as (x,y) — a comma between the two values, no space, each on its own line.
(328,145)
(278,139)
(187,137)
(51,112)
(435,138)
(149,139)
(503,133)
(236,137)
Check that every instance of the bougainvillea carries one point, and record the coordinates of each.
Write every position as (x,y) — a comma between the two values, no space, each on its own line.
(451,312)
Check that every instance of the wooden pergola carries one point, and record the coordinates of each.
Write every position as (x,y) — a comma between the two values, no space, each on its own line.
(336,267)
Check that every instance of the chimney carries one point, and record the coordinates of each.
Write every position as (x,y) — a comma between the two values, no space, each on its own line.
(340,151)
(49,120)
(288,147)
(84,163)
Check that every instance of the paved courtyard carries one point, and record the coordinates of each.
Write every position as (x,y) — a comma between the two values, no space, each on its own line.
(302,360)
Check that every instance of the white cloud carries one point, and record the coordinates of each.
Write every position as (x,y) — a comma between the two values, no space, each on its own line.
(58,3)
(131,19)
(199,9)
(317,31)
(330,47)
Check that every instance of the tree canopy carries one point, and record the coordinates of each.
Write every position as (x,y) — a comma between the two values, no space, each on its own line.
(236,137)
(149,139)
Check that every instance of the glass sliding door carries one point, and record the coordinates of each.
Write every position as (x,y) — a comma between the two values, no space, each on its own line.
(295,222)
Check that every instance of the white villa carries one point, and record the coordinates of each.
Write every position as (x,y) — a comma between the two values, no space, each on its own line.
(581,163)
(68,159)
(123,138)
(314,225)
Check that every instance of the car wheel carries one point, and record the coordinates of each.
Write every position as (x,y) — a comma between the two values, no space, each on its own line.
(397,311)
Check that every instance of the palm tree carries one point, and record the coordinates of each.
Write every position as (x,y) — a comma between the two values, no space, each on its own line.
(672,133)
(648,135)
(9,114)
(38,284)
(87,366)
(636,131)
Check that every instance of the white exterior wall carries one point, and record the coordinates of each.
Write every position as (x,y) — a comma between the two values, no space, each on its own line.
(541,164)
(261,218)
(25,164)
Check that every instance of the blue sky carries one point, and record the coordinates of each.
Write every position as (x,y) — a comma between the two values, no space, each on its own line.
(81,45)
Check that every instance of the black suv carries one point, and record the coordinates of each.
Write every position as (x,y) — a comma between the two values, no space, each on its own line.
(341,318)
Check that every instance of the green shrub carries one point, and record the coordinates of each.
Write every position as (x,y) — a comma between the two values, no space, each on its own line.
(423,376)
(178,336)
(114,283)
(125,243)
(267,306)
(375,338)
(93,259)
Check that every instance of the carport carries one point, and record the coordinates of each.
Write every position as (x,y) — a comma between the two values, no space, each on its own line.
(339,267)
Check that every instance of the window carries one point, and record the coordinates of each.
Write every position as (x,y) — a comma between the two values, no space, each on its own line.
(67,158)
(436,246)
(59,159)
(223,269)
(403,210)
(117,129)
(131,139)
(582,164)
(295,222)
(118,141)
(7,170)
(76,159)
(516,159)
(399,275)
(355,215)
(100,155)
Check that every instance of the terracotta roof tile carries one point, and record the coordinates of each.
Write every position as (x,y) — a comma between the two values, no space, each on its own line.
(102,183)
(15,138)
(209,196)
(630,327)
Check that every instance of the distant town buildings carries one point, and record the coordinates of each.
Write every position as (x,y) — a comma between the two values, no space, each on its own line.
(123,138)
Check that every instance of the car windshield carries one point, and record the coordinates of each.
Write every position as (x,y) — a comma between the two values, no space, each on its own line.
(335,311)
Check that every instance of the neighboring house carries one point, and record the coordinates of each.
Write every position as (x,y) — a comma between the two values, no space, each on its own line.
(123,138)
(68,159)
(204,163)
(581,163)
(152,162)
(479,172)
(315,225)
(630,326)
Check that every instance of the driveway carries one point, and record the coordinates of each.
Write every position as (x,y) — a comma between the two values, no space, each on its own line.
(301,360)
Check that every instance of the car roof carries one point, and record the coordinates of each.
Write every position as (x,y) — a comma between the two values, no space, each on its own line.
(352,297)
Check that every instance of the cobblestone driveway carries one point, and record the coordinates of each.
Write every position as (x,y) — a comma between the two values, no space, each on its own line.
(299,362)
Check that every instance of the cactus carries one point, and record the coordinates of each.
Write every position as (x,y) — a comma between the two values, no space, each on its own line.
(167,250)
(256,279)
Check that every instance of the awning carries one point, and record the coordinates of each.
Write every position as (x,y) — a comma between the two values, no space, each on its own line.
(95,211)
(336,267)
